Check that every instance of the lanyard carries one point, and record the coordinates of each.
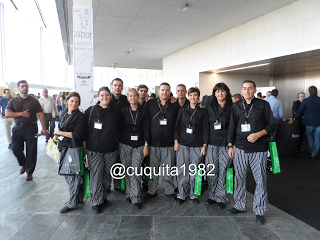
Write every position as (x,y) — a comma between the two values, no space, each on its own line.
(165,108)
(245,111)
(135,120)
(192,113)
(222,110)
(63,122)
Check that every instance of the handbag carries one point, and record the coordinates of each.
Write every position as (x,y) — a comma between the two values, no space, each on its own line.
(52,150)
(274,158)
(229,180)
(70,160)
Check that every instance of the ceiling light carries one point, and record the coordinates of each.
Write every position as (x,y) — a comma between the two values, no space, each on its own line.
(252,66)
(185,7)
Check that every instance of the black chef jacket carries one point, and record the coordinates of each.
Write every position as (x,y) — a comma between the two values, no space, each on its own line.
(119,103)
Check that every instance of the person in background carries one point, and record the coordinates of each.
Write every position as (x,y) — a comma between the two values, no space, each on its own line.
(181,92)
(38,96)
(310,107)
(71,126)
(50,110)
(143,92)
(25,109)
(236,97)
(302,128)
(134,145)
(191,139)
(63,103)
(219,106)
(102,141)
(152,96)
(259,95)
(8,122)
(58,102)
(268,94)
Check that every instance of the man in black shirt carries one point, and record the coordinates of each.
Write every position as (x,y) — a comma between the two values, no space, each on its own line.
(181,94)
(302,128)
(163,116)
(251,122)
(143,92)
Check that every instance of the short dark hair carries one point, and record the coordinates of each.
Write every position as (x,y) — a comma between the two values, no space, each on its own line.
(116,79)
(142,86)
(165,83)
(193,90)
(250,81)
(21,81)
(313,90)
(259,94)
(74,94)
(274,92)
(4,90)
(152,95)
(182,85)
(300,93)
(103,89)
(237,95)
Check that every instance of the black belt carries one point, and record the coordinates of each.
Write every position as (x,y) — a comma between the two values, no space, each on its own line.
(26,123)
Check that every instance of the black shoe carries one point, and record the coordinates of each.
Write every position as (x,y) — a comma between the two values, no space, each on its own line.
(96,209)
(108,189)
(117,189)
(180,201)
(210,201)
(149,196)
(176,189)
(128,200)
(65,209)
(234,211)
(195,201)
(259,220)
(312,157)
(137,205)
(171,196)
(221,205)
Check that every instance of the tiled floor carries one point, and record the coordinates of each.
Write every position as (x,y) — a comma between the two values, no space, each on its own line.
(30,210)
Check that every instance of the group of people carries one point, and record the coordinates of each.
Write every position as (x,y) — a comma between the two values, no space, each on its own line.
(171,132)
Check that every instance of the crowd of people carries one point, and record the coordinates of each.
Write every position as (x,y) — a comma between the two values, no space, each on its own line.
(219,131)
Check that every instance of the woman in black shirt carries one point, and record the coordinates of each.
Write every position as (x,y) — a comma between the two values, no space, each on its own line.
(133,145)
(191,137)
(71,125)
(102,141)
(219,108)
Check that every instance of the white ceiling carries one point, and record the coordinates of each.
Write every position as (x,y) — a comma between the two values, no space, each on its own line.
(158,28)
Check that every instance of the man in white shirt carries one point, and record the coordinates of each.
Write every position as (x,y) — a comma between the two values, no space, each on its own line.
(50,111)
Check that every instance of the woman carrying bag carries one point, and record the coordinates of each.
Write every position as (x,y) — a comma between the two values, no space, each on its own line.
(191,137)
(102,141)
(219,107)
(70,134)
(133,145)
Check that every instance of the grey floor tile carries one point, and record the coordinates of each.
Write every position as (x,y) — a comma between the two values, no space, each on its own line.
(135,227)
(166,227)
(10,224)
(39,227)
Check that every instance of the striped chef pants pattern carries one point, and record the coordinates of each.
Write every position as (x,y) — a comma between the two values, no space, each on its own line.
(218,156)
(132,157)
(159,157)
(187,155)
(99,165)
(73,182)
(258,165)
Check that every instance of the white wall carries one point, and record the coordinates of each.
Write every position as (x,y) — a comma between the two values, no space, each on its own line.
(291,29)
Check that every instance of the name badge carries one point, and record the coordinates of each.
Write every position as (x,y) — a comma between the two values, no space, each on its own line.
(98,125)
(163,122)
(134,137)
(245,127)
(217,126)
(189,130)
(61,138)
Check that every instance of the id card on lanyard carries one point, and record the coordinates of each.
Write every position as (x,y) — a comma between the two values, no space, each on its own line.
(246,127)
(98,125)
(163,121)
(189,129)
(217,125)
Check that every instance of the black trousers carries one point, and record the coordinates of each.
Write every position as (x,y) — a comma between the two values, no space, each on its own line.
(21,135)
(50,122)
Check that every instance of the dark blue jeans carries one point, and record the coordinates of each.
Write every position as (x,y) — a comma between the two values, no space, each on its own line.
(313,133)
(21,135)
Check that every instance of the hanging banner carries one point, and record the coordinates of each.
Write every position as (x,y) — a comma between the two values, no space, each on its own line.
(83,55)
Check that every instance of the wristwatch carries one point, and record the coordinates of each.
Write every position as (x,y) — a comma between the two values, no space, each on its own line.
(206,147)
(230,146)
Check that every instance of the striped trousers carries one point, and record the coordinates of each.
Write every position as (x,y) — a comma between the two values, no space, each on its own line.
(187,155)
(163,156)
(218,156)
(258,165)
(132,157)
(99,165)
(76,195)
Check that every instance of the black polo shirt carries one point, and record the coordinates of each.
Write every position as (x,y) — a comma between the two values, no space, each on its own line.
(162,135)
(106,139)
(260,118)
(119,103)
(129,128)
(218,137)
(198,124)
(186,103)
(19,104)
